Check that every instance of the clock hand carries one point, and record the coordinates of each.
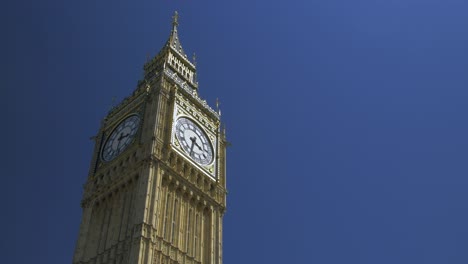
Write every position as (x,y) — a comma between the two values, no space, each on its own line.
(122,136)
(196,144)
(193,139)
(119,143)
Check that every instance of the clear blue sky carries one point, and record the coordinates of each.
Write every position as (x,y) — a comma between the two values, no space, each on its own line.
(348,121)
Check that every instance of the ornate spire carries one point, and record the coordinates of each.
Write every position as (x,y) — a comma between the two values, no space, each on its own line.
(173,41)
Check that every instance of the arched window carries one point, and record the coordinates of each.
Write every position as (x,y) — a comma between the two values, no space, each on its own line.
(188,237)
(196,242)
(175,215)
(166,215)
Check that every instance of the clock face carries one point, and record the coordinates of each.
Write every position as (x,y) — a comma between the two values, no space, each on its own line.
(194,141)
(120,138)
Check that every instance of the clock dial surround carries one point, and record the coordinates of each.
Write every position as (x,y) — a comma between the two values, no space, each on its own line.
(194,141)
(120,138)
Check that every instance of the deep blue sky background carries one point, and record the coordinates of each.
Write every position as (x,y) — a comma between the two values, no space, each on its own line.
(348,121)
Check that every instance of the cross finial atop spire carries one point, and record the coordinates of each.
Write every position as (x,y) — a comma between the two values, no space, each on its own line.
(175,19)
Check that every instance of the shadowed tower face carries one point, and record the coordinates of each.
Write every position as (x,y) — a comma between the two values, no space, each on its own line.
(156,190)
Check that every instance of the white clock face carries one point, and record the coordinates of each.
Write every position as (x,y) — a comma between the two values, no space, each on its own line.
(194,141)
(120,138)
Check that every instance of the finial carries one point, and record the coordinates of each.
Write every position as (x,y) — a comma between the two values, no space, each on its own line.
(175,19)
(194,59)
(112,103)
(217,106)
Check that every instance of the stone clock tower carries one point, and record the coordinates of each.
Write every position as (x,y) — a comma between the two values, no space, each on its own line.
(156,190)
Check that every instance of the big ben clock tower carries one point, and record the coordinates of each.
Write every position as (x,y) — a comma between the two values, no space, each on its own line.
(156,190)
